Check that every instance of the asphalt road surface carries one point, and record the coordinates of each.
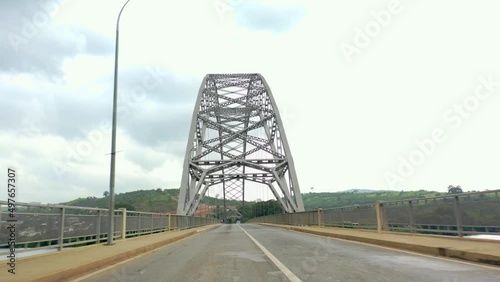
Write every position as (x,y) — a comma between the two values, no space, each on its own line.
(248,252)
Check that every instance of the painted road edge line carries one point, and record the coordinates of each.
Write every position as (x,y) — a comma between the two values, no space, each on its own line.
(281,266)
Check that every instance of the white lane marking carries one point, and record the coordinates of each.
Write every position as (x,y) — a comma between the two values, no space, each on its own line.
(281,266)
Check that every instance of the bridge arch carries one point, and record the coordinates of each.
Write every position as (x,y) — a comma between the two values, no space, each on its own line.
(236,137)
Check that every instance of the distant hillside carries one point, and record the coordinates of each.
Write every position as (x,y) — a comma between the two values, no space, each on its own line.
(352,197)
(360,191)
(165,200)
(157,200)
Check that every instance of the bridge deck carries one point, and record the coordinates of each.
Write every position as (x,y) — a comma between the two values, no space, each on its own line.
(68,264)
(470,249)
(60,266)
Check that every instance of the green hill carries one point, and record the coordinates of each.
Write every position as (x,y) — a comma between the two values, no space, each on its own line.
(156,200)
(353,197)
(165,200)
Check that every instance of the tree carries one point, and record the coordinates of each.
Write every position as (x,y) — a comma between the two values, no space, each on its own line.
(125,205)
(266,208)
(105,194)
(246,211)
(454,190)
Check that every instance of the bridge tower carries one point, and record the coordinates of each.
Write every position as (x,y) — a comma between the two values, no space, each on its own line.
(237,139)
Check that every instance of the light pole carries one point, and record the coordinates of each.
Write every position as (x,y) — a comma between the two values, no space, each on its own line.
(113,140)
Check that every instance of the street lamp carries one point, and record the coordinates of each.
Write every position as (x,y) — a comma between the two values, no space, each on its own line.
(113,139)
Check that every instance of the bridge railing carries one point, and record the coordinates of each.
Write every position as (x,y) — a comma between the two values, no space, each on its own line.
(359,216)
(454,214)
(38,226)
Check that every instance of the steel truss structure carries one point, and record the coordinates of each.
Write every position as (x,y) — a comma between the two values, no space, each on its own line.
(236,139)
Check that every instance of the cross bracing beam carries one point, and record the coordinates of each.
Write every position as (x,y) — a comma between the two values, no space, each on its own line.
(237,136)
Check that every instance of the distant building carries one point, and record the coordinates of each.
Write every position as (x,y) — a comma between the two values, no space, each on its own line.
(205,210)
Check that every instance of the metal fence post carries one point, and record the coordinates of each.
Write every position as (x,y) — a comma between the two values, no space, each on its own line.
(98,228)
(124,223)
(169,221)
(139,216)
(412,217)
(152,223)
(380,216)
(358,211)
(320,217)
(61,234)
(342,217)
(458,217)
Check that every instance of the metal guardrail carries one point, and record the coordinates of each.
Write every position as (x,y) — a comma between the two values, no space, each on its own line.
(453,214)
(41,226)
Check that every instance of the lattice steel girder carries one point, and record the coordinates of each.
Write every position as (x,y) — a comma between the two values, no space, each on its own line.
(237,136)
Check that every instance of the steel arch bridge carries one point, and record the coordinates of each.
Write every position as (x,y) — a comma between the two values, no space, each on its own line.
(237,137)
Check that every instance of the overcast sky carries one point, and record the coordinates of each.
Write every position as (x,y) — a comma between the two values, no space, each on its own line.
(398,95)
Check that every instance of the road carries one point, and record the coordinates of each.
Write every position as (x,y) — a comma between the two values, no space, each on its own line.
(250,252)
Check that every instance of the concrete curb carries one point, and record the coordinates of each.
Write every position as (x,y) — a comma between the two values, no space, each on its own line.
(430,250)
(80,270)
